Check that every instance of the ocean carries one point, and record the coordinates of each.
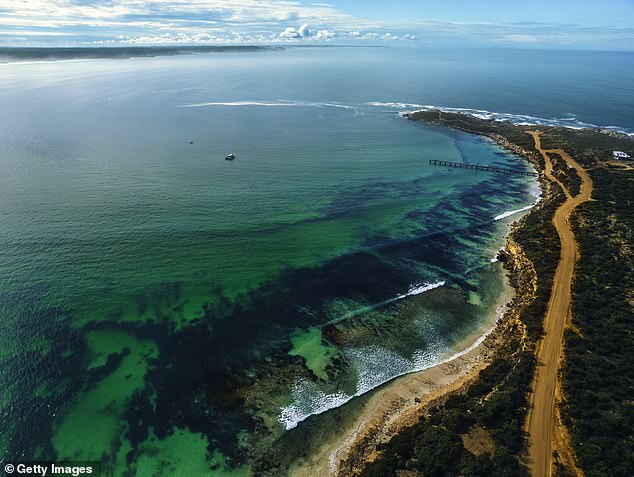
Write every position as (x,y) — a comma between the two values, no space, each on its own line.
(165,310)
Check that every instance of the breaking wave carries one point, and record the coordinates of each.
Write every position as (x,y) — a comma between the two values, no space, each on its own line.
(376,366)
(518,119)
(513,212)
(568,121)
(278,103)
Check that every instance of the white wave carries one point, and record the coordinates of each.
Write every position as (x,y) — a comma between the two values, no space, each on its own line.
(301,408)
(513,212)
(376,366)
(534,189)
(396,105)
(418,289)
(465,351)
(407,107)
(280,103)
(570,122)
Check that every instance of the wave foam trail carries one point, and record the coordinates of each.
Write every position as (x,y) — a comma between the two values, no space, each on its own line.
(375,365)
(397,105)
(518,119)
(418,289)
(535,191)
(406,107)
(512,212)
(279,103)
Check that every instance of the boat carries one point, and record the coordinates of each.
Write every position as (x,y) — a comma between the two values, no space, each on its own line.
(230,157)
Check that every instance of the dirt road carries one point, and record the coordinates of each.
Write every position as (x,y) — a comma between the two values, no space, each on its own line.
(541,417)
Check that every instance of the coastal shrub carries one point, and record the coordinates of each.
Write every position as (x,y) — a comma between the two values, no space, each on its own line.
(598,375)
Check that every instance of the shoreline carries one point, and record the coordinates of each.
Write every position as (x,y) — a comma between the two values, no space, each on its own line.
(515,119)
(399,402)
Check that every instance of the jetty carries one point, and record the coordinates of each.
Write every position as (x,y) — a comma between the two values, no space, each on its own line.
(479,167)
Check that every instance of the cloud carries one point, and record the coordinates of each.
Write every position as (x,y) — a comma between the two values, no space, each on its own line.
(325,35)
(76,22)
(292,33)
(520,38)
(304,32)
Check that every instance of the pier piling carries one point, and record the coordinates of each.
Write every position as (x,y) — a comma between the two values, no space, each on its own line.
(478,167)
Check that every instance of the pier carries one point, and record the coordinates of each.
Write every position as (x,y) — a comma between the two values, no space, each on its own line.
(478,167)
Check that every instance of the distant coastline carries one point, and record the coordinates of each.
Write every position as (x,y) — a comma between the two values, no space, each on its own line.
(570,122)
(28,54)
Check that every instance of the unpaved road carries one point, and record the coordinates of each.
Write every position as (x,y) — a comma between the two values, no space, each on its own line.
(541,416)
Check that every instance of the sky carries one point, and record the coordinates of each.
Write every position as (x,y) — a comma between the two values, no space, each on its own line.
(581,24)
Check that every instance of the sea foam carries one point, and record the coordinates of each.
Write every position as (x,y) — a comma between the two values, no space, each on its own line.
(418,289)
(277,103)
(405,108)
(517,119)
(375,366)
(513,212)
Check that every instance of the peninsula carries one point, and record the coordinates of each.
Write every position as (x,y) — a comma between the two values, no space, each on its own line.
(519,402)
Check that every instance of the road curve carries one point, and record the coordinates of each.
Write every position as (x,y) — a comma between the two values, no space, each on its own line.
(541,416)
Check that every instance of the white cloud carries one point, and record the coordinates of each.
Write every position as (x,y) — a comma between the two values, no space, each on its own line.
(520,38)
(304,31)
(289,33)
(325,35)
(292,33)
(261,21)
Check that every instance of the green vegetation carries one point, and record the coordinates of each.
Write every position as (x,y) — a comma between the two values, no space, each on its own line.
(598,376)
(566,175)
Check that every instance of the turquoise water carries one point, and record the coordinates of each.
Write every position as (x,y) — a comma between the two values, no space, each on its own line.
(163,308)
